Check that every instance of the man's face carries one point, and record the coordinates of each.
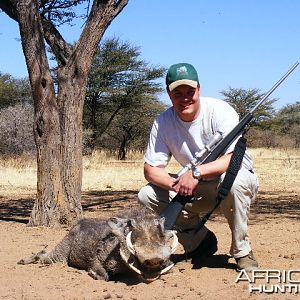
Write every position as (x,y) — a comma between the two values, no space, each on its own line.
(185,100)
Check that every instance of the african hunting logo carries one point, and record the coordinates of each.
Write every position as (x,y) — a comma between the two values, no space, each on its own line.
(271,281)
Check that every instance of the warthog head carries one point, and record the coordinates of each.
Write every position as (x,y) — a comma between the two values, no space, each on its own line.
(147,245)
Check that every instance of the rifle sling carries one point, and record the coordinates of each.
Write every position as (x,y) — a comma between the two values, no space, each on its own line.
(231,173)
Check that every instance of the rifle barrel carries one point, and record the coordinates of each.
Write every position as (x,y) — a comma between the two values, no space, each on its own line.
(239,128)
(275,86)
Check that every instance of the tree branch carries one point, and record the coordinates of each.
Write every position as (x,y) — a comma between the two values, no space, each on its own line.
(101,15)
(9,7)
(58,45)
(34,49)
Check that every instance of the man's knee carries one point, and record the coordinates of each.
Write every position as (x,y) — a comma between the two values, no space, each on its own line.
(245,184)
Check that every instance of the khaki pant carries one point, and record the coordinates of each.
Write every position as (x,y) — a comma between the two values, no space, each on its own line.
(235,207)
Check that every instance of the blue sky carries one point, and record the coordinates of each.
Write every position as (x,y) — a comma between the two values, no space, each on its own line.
(233,43)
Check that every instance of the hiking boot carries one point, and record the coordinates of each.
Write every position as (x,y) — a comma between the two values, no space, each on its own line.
(247,263)
(207,247)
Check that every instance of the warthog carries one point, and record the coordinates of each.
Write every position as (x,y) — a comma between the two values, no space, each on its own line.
(137,240)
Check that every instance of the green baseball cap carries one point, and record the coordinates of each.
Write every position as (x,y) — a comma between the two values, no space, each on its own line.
(182,73)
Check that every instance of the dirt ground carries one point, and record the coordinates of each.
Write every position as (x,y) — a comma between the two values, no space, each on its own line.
(274,233)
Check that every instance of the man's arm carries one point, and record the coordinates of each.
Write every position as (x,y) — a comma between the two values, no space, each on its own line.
(186,183)
(215,168)
(158,176)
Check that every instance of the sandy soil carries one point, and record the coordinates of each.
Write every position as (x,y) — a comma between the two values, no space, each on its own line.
(274,232)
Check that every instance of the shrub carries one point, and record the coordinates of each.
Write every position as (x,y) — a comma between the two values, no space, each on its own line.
(16,130)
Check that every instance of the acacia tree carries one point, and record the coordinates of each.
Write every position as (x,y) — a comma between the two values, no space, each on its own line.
(13,91)
(118,83)
(287,122)
(130,129)
(287,117)
(244,100)
(58,109)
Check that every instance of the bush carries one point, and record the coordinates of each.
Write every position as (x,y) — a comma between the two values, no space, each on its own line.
(258,138)
(16,130)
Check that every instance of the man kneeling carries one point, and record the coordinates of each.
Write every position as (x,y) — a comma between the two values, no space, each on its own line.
(181,131)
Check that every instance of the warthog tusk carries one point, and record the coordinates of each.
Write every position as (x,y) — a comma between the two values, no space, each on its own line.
(166,269)
(129,244)
(130,265)
(138,271)
(175,242)
(133,252)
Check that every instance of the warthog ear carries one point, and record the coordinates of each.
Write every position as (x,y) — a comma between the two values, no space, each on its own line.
(118,225)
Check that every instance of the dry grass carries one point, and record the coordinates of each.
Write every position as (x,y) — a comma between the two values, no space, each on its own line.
(278,170)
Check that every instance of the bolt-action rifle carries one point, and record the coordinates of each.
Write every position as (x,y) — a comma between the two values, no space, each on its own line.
(211,152)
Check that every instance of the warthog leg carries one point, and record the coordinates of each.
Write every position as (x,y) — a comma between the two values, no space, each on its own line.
(41,257)
(98,272)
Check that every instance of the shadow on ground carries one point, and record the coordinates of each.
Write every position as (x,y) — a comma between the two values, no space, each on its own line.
(93,202)
(101,203)
(268,205)
(213,261)
(274,205)
(15,210)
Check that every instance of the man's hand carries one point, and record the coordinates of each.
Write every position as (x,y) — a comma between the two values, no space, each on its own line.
(186,184)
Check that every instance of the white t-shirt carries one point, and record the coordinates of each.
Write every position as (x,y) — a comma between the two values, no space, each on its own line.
(170,136)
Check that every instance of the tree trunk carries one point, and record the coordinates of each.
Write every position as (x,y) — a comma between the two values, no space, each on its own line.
(122,149)
(57,126)
(93,122)
(127,136)
(60,163)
